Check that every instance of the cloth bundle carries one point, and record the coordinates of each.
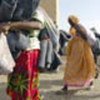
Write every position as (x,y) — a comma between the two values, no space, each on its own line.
(15,10)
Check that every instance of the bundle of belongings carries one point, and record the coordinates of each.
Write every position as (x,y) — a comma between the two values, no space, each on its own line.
(12,11)
(15,10)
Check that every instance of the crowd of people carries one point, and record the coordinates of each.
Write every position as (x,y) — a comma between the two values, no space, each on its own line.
(37,45)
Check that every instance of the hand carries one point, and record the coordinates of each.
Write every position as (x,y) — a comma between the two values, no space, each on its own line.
(4,27)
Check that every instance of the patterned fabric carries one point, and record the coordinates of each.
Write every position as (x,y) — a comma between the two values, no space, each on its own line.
(80,66)
(23,82)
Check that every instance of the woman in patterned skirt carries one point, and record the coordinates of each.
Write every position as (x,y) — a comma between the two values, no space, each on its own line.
(23,82)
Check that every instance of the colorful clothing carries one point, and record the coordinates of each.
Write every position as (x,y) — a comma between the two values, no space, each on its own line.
(23,82)
(80,66)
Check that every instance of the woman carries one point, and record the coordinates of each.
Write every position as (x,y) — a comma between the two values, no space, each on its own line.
(80,66)
(23,82)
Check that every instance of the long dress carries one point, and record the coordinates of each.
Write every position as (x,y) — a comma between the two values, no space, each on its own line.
(80,65)
(23,82)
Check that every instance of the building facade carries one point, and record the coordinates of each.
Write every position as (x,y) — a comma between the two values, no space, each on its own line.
(52,8)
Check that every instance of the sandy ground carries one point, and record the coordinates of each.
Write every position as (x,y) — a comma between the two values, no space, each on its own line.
(51,83)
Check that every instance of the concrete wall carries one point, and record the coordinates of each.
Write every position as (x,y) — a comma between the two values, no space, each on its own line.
(52,8)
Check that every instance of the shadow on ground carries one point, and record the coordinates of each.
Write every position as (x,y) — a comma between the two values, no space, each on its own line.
(71,95)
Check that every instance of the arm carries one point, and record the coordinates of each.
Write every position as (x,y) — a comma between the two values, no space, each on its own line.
(27,25)
(81,31)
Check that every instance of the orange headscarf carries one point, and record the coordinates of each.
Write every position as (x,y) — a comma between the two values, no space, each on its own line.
(73,19)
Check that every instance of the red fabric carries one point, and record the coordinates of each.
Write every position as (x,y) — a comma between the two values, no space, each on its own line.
(27,65)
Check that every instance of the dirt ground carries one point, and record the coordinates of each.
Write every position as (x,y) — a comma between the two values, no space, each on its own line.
(50,86)
(51,83)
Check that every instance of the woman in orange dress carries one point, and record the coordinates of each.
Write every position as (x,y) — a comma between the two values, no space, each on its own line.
(80,65)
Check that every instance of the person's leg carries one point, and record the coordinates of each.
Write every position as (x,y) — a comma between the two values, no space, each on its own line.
(65,88)
(49,54)
(21,73)
(34,80)
(43,46)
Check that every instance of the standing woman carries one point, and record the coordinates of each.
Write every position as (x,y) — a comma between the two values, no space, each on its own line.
(23,82)
(80,66)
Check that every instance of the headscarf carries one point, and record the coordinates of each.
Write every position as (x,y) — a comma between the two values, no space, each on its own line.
(73,19)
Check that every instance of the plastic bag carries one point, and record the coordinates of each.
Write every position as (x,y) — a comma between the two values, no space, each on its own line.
(6,60)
